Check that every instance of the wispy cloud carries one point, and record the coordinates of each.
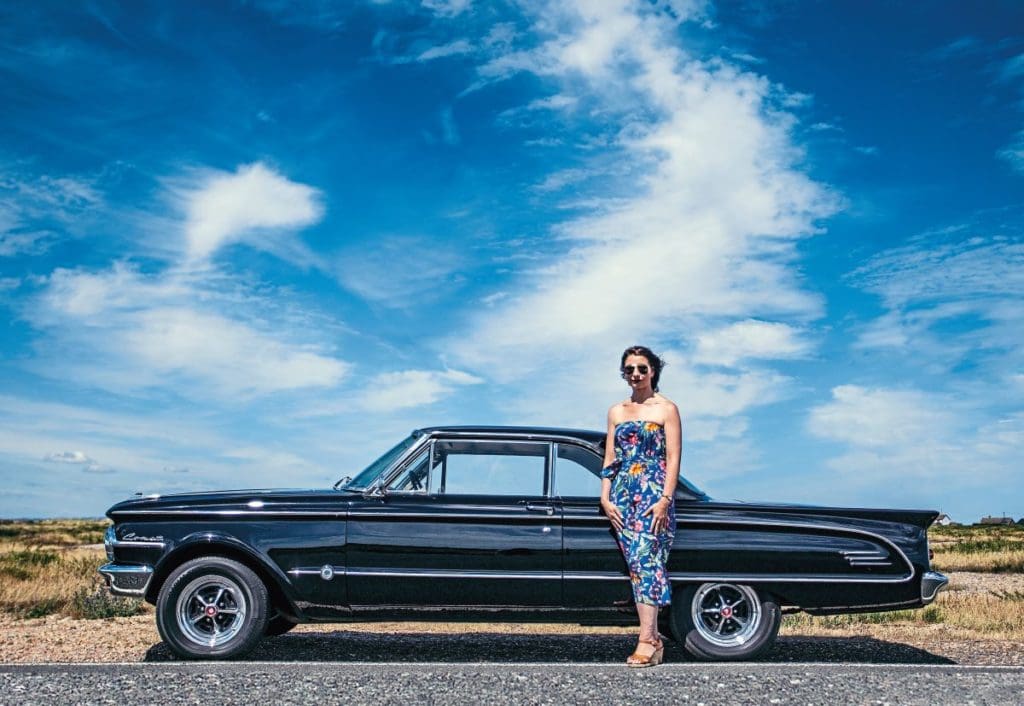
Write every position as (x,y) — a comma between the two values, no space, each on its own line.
(750,339)
(37,211)
(134,331)
(694,230)
(905,436)
(77,457)
(413,388)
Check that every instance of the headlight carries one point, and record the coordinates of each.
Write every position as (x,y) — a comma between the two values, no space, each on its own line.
(109,537)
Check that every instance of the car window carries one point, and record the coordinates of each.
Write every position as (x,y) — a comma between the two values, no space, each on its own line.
(577,472)
(491,467)
(415,477)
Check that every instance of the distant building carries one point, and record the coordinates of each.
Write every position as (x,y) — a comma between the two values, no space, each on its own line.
(944,519)
(997,520)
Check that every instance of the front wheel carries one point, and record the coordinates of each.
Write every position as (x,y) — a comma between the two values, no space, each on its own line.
(212,608)
(724,621)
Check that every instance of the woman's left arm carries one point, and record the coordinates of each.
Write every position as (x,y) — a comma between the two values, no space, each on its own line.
(673,450)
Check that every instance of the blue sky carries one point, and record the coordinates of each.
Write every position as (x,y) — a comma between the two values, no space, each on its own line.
(253,244)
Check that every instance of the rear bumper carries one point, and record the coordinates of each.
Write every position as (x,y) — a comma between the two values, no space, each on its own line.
(931,583)
(127,579)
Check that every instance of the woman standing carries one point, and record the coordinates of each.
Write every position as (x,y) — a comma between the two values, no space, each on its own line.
(641,468)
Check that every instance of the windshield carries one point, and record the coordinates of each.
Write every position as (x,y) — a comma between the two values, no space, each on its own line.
(366,478)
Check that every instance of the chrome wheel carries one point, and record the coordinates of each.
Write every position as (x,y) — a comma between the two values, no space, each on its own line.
(211,610)
(725,614)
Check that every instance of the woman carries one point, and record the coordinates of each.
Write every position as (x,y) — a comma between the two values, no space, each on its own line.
(641,468)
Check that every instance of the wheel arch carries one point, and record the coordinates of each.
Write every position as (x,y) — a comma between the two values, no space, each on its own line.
(206,544)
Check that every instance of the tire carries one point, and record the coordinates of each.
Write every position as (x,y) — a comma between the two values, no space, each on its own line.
(212,608)
(724,622)
(279,625)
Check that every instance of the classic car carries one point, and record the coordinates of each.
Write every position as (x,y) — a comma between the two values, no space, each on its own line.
(502,523)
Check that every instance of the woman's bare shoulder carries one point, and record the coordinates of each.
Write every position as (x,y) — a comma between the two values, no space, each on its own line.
(669,404)
(617,411)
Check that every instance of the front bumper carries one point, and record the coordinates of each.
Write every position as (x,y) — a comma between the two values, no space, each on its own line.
(931,583)
(127,579)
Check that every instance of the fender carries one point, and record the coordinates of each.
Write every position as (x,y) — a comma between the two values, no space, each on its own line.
(208,543)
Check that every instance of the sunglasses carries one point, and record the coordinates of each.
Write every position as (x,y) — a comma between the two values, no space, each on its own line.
(642,369)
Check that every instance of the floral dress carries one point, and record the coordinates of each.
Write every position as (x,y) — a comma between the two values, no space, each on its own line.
(638,480)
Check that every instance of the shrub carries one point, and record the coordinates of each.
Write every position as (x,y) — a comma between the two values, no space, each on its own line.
(98,603)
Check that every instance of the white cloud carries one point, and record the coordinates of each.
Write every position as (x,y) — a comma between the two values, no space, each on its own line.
(252,205)
(1013,153)
(399,271)
(78,457)
(132,331)
(950,296)
(749,339)
(906,437)
(456,48)
(448,8)
(882,417)
(37,211)
(704,225)
(413,388)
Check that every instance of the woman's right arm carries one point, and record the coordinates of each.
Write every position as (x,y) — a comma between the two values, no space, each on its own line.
(610,509)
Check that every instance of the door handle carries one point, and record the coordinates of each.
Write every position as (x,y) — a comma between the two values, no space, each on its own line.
(536,507)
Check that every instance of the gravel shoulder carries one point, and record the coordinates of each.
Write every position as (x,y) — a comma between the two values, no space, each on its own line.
(135,639)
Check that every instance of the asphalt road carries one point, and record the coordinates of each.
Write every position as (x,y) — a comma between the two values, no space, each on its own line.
(446,683)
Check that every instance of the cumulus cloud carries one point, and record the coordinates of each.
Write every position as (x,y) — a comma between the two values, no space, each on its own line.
(252,205)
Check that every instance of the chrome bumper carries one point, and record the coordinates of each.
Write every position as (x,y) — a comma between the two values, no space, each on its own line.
(127,579)
(931,583)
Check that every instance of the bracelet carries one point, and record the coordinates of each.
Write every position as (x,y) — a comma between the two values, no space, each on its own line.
(667,497)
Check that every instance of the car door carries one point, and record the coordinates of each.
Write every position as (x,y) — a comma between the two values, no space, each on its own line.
(468,522)
(594,572)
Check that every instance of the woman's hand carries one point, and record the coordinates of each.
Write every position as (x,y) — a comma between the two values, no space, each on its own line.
(660,512)
(612,511)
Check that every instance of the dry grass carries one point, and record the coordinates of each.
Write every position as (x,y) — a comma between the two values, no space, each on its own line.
(50,566)
(992,615)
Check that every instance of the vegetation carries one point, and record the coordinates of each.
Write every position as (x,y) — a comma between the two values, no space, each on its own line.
(49,566)
(984,548)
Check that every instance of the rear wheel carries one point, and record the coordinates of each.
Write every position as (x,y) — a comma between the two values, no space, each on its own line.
(724,621)
(212,608)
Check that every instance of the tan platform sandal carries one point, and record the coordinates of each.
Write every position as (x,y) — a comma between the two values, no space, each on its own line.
(637,660)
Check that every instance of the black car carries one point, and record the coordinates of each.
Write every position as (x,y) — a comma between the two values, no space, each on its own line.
(502,522)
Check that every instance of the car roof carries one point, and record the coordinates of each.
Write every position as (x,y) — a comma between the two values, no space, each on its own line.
(588,436)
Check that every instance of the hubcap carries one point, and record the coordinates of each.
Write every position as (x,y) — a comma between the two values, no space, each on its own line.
(726,614)
(211,610)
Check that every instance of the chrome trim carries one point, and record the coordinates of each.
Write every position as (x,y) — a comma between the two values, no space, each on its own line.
(231,513)
(676,577)
(932,579)
(800,525)
(433,574)
(317,571)
(111,572)
(442,516)
(683,577)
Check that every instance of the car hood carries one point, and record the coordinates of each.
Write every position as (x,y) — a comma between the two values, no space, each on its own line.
(228,500)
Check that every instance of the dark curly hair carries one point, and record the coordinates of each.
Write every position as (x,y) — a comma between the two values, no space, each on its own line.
(656,363)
